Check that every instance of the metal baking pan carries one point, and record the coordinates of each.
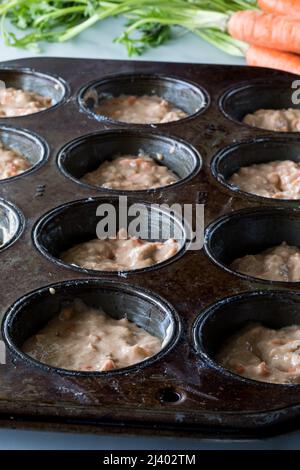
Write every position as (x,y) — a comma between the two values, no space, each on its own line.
(181,390)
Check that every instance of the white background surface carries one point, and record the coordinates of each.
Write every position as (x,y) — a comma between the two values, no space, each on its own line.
(97,43)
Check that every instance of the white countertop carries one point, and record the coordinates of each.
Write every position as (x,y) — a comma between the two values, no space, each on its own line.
(97,43)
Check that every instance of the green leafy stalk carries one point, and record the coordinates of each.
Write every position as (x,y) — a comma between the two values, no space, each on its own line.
(150,22)
(209,25)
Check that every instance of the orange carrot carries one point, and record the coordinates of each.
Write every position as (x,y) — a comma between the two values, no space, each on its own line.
(281,7)
(264,57)
(266,30)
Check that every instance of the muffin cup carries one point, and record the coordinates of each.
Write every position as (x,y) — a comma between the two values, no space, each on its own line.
(37,82)
(182,94)
(29,145)
(246,98)
(249,232)
(231,159)
(32,312)
(178,156)
(76,222)
(228,316)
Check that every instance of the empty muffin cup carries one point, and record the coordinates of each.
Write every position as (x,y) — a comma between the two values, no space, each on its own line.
(181,94)
(30,147)
(229,316)
(247,98)
(175,154)
(30,80)
(148,311)
(81,221)
(241,155)
(11,224)
(250,232)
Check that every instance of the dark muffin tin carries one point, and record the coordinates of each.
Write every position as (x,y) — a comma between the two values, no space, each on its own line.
(193,296)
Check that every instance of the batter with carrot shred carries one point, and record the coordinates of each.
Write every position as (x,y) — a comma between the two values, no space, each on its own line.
(87,339)
(119,254)
(277,180)
(263,354)
(12,163)
(279,120)
(131,173)
(17,102)
(139,109)
(279,263)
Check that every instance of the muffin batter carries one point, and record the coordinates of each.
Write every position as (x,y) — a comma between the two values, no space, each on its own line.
(12,163)
(277,180)
(263,354)
(131,173)
(139,109)
(119,254)
(86,339)
(14,102)
(280,120)
(280,263)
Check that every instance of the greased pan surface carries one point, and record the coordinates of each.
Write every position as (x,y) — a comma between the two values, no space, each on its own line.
(181,390)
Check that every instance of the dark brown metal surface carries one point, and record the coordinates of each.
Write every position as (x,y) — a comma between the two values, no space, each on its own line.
(211,402)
